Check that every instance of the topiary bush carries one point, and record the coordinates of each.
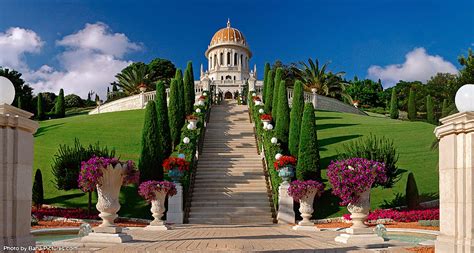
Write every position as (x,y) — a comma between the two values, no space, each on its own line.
(269,93)
(411,191)
(163,119)
(60,107)
(265,81)
(173,113)
(151,155)
(412,105)
(380,149)
(394,113)
(181,107)
(40,115)
(430,110)
(38,193)
(283,120)
(308,167)
(189,95)
(276,89)
(297,107)
(444,109)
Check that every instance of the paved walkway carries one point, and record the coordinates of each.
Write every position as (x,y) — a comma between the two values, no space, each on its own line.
(235,238)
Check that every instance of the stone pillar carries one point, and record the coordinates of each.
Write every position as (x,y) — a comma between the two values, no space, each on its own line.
(314,98)
(286,214)
(456,191)
(16,163)
(175,212)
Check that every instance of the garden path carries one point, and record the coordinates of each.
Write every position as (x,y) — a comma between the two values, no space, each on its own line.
(230,185)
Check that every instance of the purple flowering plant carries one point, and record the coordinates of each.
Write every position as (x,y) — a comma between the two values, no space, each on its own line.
(91,172)
(298,189)
(352,177)
(148,189)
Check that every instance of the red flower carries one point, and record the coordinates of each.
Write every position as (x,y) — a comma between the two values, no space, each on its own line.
(175,162)
(192,117)
(266,117)
(256,98)
(284,161)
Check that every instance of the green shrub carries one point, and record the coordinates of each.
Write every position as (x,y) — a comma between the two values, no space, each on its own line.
(60,107)
(269,93)
(375,148)
(394,114)
(73,101)
(283,120)
(181,110)
(38,193)
(151,155)
(430,110)
(265,81)
(297,107)
(412,195)
(308,166)
(40,115)
(412,105)
(163,119)
(444,109)
(173,113)
(276,89)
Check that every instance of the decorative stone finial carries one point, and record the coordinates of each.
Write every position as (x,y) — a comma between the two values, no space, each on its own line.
(228,22)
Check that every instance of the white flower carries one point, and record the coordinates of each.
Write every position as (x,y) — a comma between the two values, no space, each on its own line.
(269,127)
(350,167)
(254,94)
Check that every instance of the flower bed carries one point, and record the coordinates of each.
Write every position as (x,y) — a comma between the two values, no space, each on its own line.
(402,215)
(148,189)
(266,117)
(298,189)
(75,213)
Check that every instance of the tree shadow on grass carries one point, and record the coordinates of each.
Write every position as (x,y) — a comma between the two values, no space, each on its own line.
(44,129)
(326,205)
(65,199)
(132,204)
(325,117)
(336,139)
(332,125)
(400,200)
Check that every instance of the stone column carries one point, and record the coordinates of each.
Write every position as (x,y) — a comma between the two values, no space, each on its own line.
(456,174)
(314,98)
(16,163)
(175,212)
(286,214)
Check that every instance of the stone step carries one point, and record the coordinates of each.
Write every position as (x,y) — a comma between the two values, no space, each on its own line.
(229,196)
(231,220)
(231,174)
(231,189)
(241,203)
(211,211)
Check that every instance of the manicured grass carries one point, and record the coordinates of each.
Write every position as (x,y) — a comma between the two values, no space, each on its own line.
(122,131)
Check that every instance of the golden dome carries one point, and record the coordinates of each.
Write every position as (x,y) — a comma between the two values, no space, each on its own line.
(228,34)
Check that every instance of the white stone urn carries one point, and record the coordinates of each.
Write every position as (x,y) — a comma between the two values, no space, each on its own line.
(108,191)
(265,123)
(360,210)
(193,123)
(157,210)
(306,210)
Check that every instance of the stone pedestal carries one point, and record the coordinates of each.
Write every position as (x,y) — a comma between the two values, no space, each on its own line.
(286,215)
(175,212)
(16,163)
(456,191)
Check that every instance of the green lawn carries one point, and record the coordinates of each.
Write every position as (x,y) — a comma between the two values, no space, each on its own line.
(122,130)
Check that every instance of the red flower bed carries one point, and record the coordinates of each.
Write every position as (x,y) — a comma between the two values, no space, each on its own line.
(284,161)
(175,162)
(266,117)
(76,213)
(402,215)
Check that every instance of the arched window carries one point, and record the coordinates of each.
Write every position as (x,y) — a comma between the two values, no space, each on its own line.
(241,60)
(222,77)
(228,58)
(235,59)
(210,60)
(228,77)
(221,60)
(234,78)
(215,60)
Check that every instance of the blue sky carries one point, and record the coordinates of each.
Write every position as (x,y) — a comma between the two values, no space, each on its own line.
(420,36)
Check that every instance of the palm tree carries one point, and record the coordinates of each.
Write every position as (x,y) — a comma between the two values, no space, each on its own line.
(314,76)
(132,77)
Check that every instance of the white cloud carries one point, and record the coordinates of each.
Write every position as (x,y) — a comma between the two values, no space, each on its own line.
(15,43)
(418,66)
(92,58)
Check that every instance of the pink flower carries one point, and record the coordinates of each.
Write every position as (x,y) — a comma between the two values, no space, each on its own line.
(148,189)
(298,189)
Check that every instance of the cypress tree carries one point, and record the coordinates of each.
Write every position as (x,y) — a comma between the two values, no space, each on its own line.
(412,105)
(163,121)
(173,113)
(38,193)
(297,107)
(39,107)
(60,108)
(269,93)
(283,120)
(429,110)
(276,88)
(394,114)
(265,81)
(181,111)
(444,109)
(189,95)
(19,102)
(308,166)
(151,156)
(411,192)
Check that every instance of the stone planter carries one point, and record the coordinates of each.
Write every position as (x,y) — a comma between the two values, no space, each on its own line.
(175,174)
(157,210)
(286,173)
(265,123)
(359,233)
(306,210)
(192,124)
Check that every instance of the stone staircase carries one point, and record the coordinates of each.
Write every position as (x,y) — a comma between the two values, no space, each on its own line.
(230,185)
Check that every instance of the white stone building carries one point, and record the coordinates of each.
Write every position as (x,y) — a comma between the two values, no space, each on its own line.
(228,68)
